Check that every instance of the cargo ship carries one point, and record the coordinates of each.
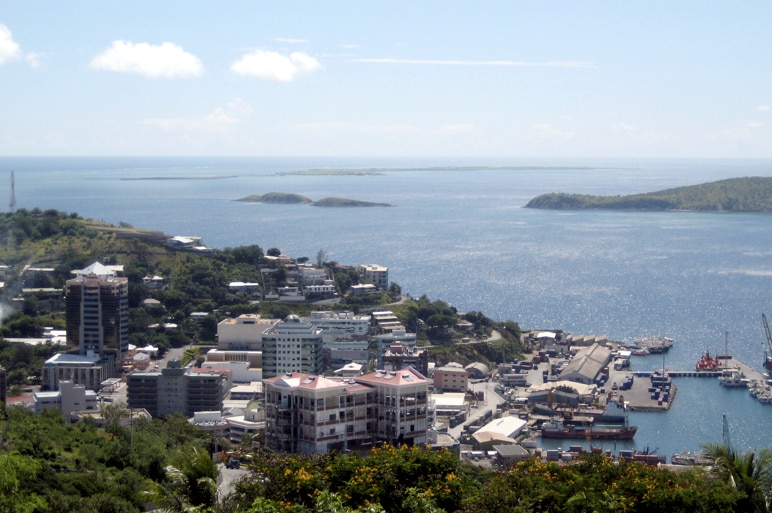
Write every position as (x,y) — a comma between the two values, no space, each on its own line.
(557,429)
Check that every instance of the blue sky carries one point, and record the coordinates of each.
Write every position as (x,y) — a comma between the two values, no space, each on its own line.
(444,78)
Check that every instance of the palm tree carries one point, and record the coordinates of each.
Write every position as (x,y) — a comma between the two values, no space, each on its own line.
(190,484)
(749,473)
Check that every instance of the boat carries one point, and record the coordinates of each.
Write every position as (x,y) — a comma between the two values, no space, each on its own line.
(707,362)
(733,379)
(690,458)
(656,344)
(559,429)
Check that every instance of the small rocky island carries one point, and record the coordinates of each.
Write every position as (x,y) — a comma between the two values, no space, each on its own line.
(750,194)
(287,198)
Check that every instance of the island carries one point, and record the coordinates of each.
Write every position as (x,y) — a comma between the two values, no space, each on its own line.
(287,198)
(748,194)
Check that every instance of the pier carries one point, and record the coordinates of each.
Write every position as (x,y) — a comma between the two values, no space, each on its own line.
(650,391)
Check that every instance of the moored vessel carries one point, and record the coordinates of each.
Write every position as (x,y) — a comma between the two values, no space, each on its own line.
(558,429)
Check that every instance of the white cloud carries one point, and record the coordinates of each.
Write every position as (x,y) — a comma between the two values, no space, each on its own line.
(351,47)
(166,60)
(275,66)
(432,62)
(9,49)
(545,130)
(33,59)
(290,40)
(763,108)
(458,128)
(756,124)
(220,120)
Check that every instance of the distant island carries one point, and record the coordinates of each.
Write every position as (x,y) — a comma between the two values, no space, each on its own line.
(287,198)
(373,171)
(749,194)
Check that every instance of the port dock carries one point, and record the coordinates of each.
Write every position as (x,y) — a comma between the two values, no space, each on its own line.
(651,391)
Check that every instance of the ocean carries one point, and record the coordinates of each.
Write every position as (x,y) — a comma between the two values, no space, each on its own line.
(457,231)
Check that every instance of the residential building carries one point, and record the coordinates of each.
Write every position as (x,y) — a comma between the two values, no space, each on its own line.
(97,314)
(312,414)
(376,274)
(177,389)
(341,326)
(292,345)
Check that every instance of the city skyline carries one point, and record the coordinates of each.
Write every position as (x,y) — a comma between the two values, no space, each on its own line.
(437,79)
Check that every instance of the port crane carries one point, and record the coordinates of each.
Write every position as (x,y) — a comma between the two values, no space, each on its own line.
(768,362)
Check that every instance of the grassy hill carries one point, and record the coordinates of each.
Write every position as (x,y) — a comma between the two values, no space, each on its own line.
(751,194)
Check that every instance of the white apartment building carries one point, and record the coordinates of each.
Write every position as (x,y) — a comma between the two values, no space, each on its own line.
(311,275)
(312,414)
(376,274)
(244,332)
(292,345)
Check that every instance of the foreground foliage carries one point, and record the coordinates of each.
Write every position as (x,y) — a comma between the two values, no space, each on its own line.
(412,480)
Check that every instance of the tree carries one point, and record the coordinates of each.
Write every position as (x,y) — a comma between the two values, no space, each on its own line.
(321,256)
(748,473)
(274,252)
(190,483)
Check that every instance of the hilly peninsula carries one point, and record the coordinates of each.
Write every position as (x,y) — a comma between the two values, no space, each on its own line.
(750,194)
(291,198)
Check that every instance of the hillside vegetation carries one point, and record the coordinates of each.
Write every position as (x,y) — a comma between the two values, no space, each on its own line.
(752,194)
(292,198)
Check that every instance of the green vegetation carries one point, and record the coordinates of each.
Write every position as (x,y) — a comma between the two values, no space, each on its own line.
(732,195)
(287,198)
(47,465)
(277,197)
(342,202)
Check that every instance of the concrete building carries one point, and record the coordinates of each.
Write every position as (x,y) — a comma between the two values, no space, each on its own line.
(376,274)
(451,378)
(89,370)
(97,312)
(244,332)
(313,414)
(69,398)
(397,355)
(177,389)
(341,326)
(292,345)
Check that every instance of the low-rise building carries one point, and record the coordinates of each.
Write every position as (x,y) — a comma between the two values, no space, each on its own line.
(244,332)
(88,370)
(177,389)
(70,398)
(451,378)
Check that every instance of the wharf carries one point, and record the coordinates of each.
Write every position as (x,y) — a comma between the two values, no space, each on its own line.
(639,397)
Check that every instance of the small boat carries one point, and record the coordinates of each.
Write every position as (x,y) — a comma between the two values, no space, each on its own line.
(732,379)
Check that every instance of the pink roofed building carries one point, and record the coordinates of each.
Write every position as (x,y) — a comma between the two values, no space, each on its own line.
(313,414)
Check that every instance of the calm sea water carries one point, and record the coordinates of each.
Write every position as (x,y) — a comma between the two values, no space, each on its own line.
(463,236)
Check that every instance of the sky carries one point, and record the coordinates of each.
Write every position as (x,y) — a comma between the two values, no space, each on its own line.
(399,78)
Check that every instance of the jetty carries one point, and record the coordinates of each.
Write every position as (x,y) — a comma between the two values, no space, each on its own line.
(655,391)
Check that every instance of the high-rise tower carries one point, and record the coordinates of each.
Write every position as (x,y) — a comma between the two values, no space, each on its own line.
(97,313)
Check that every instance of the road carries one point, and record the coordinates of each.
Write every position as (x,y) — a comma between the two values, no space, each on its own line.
(491,400)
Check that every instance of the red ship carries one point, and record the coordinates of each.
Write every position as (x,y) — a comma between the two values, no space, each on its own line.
(707,362)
